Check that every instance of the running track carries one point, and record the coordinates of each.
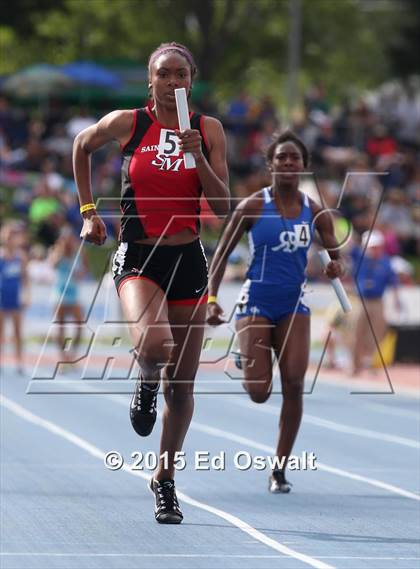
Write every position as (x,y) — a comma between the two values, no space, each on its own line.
(62,508)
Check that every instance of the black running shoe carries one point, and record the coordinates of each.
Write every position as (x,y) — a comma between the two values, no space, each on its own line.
(143,408)
(277,483)
(167,508)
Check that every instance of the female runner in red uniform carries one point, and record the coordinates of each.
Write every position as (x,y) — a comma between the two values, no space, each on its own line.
(159,269)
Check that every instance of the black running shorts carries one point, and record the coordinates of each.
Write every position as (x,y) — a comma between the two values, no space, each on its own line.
(180,270)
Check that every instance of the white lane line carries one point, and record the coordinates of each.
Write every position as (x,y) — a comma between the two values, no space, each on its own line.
(332,425)
(94,451)
(395,411)
(213,431)
(366,433)
(192,555)
(377,386)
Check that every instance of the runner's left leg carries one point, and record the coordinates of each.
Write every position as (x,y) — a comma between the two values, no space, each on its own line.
(291,338)
(187,326)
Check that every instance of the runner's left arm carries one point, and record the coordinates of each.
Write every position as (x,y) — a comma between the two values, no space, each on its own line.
(213,174)
(323,221)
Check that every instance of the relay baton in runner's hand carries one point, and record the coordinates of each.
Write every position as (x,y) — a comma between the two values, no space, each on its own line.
(184,122)
(337,284)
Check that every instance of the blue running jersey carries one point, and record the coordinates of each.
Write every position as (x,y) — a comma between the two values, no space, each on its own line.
(10,283)
(279,246)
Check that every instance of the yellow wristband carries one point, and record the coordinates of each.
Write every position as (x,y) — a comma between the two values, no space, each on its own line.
(87,207)
(211,299)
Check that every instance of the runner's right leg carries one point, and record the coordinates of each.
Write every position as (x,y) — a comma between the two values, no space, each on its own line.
(146,312)
(254,335)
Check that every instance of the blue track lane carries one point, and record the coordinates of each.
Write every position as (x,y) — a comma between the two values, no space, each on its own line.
(61,508)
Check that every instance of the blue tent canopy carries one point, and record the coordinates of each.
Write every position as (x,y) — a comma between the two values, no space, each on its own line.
(92,74)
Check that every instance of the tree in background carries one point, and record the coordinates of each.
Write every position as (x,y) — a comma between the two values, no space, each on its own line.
(403,47)
(237,43)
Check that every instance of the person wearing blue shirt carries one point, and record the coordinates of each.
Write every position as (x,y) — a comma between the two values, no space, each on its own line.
(271,312)
(13,286)
(373,274)
(70,269)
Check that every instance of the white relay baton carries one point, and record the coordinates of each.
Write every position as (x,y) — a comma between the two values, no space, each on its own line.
(184,122)
(336,283)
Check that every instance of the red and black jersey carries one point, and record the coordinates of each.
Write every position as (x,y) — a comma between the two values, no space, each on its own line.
(158,196)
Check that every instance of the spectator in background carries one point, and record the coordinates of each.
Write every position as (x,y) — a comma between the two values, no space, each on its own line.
(315,99)
(239,108)
(359,121)
(339,335)
(391,242)
(383,125)
(239,127)
(395,211)
(259,141)
(328,150)
(70,268)
(339,327)
(9,157)
(43,208)
(79,122)
(70,202)
(380,143)
(403,270)
(373,274)
(408,117)
(207,106)
(13,123)
(363,181)
(265,110)
(39,269)
(2,210)
(14,294)
(49,230)
(35,153)
(59,142)
(358,210)
(50,174)
(6,120)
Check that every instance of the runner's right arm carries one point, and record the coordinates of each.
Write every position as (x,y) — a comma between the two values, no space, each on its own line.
(239,222)
(113,126)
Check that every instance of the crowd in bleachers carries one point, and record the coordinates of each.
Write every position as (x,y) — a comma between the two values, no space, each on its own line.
(377,135)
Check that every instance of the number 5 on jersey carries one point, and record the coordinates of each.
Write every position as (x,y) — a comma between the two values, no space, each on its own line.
(168,143)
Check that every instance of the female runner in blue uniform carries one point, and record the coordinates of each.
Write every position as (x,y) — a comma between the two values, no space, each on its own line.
(271,312)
